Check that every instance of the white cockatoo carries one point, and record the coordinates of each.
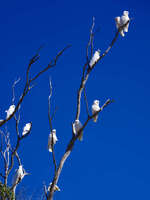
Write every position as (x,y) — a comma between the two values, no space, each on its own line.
(120,21)
(19,175)
(56,188)
(95,58)
(76,127)
(95,108)
(10,111)
(26,128)
(52,139)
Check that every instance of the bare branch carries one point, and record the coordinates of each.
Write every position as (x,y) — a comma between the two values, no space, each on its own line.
(45,191)
(82,85)
(17,123)
(69,149)
(86,102)
(18,158)
(51,64)
(90,43)
(13,90)
(85,78)
(111,44)
(14,152)
(49,98)
(54,160)
(54,112)
(50,123)
(29,81)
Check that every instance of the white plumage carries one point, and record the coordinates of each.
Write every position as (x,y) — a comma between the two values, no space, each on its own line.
(95,58)
(26,128)
(76,127)
(10,111)
(56,188)
(120,21)
(52,139)
(95,108)
(19,175)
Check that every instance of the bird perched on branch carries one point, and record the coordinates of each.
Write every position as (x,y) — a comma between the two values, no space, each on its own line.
(10,111)
(19,175)
(26,128)
(95,108)
(120,21)
(52,139)
(76,127)
(95,58)
(56,188)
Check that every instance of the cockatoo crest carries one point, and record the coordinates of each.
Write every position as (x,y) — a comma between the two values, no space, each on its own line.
(126,13)
(96,102)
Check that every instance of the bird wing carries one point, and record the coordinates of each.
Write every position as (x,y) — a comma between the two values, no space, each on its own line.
(50,142)
(95,108)
(55,138)
(74,128)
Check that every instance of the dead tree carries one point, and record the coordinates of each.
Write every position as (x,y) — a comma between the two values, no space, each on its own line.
(9,152)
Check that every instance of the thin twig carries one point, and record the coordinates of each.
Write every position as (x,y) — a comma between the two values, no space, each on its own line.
(51,64)
(90,43)
(45,191)
(19,139)
(13,90)
(54,160)
(54,112)
(17,123)
(50,123)
(18,158)
(49,98)
(86,102)
(29,81)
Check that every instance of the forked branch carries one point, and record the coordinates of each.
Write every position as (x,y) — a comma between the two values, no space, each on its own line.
(30,80)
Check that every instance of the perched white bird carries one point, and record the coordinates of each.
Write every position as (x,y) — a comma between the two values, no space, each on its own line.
(52,138)
(76,127)
(19,175)
(10,111)
(95,58)
(95,108)
(56,188)
(120,21)
(26,128)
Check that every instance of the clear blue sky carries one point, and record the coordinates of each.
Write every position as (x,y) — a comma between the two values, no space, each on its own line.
(113,161)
